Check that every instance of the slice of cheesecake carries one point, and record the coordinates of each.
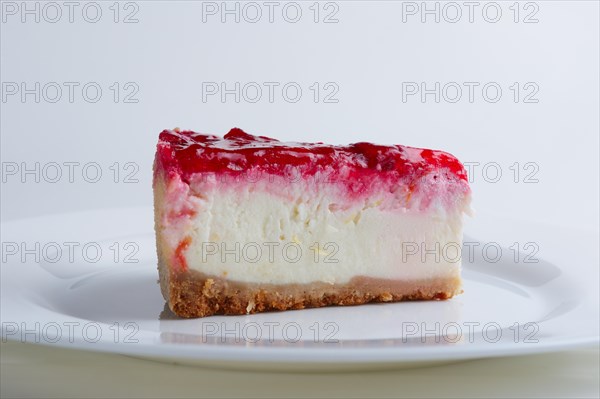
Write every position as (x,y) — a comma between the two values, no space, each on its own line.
(246,224)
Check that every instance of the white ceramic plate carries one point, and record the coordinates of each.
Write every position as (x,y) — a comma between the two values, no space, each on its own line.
(75,296)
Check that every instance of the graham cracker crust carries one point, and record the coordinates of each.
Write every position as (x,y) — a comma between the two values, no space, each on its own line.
(194,294)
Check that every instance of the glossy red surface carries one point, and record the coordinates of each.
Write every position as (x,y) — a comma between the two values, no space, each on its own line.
(186,153)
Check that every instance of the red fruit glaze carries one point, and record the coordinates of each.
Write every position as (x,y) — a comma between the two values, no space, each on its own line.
(180,261)
(185,153)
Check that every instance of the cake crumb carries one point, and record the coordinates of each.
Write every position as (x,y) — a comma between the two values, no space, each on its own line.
(207,286)
(386,297)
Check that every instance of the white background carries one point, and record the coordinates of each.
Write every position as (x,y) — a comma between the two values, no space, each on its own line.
(368,54)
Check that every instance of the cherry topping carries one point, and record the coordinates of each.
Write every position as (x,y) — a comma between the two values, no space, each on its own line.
(186,153)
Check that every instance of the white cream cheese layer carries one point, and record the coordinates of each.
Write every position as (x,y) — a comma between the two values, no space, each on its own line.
(251,235)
